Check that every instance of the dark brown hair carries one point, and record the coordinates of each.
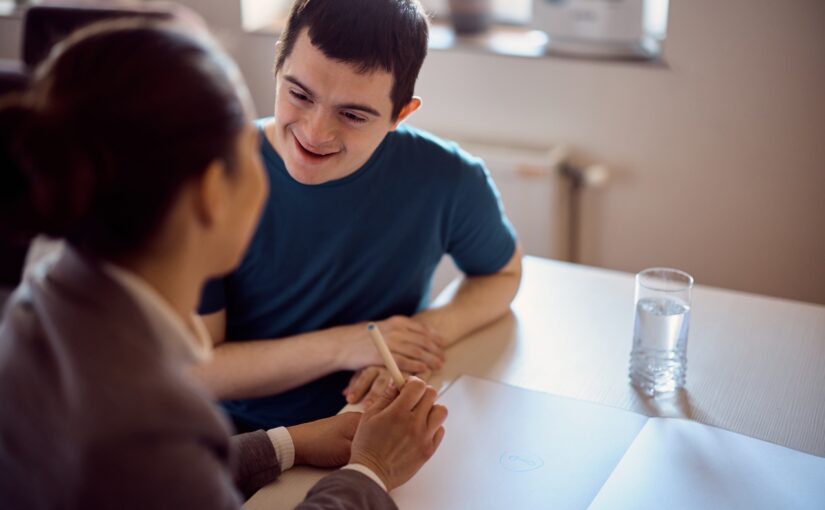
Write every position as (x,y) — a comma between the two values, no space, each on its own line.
(114,125)
(370,34)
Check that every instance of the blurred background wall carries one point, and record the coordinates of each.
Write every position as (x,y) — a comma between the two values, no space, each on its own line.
(717,158)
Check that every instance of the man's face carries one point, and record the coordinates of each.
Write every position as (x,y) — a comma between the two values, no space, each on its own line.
(329,119)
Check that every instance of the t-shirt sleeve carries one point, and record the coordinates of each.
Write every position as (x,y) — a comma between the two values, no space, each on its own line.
(213,297)
(481,238)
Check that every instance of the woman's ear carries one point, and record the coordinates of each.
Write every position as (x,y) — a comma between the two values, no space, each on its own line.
(210,195)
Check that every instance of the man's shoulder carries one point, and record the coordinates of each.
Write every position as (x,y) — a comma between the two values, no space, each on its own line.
(425,148)
(409,136)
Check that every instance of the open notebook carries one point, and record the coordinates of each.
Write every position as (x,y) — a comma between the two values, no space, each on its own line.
(511,448)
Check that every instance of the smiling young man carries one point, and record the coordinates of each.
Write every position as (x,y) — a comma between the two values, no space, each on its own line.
(361,210)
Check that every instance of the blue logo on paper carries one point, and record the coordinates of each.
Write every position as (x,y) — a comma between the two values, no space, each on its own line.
(512,461)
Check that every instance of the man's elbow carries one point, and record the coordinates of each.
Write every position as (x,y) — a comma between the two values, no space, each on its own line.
(512,270)
(513,266)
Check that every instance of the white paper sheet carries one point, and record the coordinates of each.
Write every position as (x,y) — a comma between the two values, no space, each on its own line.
(510,448)
(677,464)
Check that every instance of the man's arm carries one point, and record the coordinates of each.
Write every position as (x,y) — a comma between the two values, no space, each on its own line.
(251,369)
(478,301)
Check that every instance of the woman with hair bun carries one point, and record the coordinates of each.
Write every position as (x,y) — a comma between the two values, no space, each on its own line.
(135,146)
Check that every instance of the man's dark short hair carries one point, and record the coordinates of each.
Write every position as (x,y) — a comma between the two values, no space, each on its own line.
(370,34)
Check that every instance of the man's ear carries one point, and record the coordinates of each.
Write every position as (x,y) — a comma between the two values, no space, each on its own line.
(406,111)
(210,194)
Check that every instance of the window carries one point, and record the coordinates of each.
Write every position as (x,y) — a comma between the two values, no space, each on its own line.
(504,11)
(601,29)
(655,18)
(520,12)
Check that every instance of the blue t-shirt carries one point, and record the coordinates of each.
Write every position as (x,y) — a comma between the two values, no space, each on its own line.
(363,247)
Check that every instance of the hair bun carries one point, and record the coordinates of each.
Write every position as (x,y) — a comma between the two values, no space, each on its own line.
(42,188)
(16,215)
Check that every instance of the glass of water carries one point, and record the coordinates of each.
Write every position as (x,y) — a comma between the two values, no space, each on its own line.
(658,359)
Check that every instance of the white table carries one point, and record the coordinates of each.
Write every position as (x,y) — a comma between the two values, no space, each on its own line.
(756,365)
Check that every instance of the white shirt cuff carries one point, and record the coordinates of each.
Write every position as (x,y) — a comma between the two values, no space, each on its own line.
(284,447)
(364,470)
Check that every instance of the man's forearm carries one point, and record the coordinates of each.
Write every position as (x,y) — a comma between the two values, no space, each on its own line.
(478,301)
(266,367)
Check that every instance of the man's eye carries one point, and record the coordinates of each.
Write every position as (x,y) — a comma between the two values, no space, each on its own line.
(354,118)
(297,95)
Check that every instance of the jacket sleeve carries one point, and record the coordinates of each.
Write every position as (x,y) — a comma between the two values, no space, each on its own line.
(253,460)
(347,490)
(255,465)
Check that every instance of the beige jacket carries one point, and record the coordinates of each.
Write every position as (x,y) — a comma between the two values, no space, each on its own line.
(97,412)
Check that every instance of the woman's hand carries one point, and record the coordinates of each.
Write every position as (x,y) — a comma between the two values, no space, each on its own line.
(326,442)
(399,432)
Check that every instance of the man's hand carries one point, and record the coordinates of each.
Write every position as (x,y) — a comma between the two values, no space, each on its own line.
(324,443)
(399,432)
(415,346)
(370,383)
